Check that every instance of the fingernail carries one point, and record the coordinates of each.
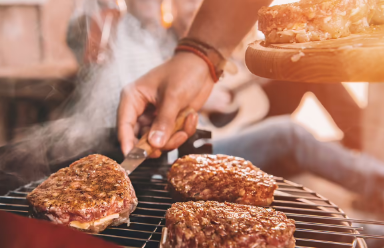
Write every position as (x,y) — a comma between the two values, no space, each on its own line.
(195,119)
(157,138)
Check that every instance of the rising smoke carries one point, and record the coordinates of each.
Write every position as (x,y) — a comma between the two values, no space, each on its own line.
(87,119)
(81,129)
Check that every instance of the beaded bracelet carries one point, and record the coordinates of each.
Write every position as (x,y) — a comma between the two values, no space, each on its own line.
(214,59)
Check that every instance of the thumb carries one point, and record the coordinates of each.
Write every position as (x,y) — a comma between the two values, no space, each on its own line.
(164,122)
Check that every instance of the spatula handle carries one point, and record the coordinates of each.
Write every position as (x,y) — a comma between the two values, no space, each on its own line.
(180,120)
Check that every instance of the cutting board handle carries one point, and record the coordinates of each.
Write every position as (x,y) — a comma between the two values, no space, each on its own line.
(179,125)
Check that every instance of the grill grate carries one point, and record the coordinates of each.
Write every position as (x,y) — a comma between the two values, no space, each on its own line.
(319,222)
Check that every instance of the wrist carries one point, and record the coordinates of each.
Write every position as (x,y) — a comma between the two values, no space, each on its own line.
(193,63)
(210,55)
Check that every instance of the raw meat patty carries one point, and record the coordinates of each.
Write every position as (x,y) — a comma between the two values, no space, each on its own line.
(227,225)
(91,194)
(220,178)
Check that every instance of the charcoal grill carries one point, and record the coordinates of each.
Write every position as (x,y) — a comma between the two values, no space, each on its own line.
(319,222)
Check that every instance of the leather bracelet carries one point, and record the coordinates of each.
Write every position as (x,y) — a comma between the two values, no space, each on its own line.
(214,59)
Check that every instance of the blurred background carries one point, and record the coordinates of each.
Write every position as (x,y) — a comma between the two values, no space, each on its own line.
(61,58)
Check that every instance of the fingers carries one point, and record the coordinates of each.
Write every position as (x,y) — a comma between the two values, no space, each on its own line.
(155,154)
(164,122)
(175,141)
(170,91)
(180,137)
(131,106)
(191,124)
(145,121)
(126,137)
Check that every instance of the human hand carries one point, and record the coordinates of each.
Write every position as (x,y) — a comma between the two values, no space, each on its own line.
(183,81)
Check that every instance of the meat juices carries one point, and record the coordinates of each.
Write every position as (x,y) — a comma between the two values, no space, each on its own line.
(220,178)
(91,194)
(227,225)
(315,20)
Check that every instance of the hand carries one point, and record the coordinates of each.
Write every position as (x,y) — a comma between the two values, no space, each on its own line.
(183,81)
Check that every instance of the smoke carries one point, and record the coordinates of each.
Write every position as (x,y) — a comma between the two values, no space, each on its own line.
(87,119)
(84,127)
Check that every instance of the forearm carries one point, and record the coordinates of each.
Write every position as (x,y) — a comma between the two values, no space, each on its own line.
(224,23)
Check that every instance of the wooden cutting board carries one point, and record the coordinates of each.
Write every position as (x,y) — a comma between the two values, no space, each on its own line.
(356,58)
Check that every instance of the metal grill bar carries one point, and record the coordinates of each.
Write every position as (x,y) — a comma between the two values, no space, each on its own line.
(166,204)
(328,225)
(169,204)
(372,222)
(341,234)
(302,204)
(324,242)
(332,228)
(303,247)
(295,197)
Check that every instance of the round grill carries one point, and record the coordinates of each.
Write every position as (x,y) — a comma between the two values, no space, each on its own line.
(319,222)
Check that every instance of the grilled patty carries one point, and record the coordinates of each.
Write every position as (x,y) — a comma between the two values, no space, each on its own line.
(91,194)
(314,20)
(220,178)
(213,224)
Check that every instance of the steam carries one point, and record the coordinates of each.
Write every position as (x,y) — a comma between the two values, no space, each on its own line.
(82,128)
(87,119)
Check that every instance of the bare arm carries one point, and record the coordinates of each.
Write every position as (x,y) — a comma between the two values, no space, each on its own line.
(224,23)
(184,81)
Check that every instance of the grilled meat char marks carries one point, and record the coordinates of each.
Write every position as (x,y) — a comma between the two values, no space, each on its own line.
(88,190)
(220,178)
(214,224)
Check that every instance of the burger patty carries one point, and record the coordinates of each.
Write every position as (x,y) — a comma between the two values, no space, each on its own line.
(315,20)
(91,194)
(213,224)
(220,178)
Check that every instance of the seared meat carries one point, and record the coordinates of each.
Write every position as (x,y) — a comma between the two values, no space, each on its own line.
(91,194)
(220,178)
(213,224)
(314,20)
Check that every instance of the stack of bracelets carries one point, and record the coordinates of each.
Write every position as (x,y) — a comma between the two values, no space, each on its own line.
(214,59)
